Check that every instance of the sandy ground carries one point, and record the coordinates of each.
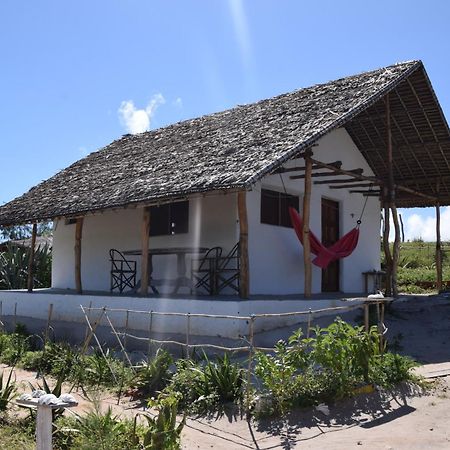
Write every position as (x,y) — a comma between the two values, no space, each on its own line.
(408,418)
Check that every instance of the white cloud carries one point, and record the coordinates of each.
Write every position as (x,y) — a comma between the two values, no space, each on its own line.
(178,103)
(424,226)
(139,120)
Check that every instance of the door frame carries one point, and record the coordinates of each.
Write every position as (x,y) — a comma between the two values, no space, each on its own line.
(339,224)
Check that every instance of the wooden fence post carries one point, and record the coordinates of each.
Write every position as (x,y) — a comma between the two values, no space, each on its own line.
(438,249)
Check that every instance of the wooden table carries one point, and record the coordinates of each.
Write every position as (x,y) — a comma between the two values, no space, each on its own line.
(181,252)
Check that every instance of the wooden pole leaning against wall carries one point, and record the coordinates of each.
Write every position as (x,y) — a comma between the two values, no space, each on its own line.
(305,230)
(145,237)
(78,236)
(244,277)
(31,259)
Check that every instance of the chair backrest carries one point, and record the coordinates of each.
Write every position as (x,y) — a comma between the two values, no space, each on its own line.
(233,255)
(212,253)
(118,257)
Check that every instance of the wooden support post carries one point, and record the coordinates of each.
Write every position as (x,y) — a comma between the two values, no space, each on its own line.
(244,277)
(391,201)
(438,249)
(387,249)
(145,237)
(305,231)
(396,249)
(78,236)
(31,259)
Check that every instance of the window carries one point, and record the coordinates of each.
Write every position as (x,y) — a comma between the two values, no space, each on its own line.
(275,207)
(172,218)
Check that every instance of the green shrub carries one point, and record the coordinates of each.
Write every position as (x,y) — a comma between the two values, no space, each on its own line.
(103,431)
(203,386)
(155,375)
(7,390)
(161,432)
(14,267)
(328,366)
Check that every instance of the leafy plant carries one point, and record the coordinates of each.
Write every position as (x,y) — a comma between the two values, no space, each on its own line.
(203,386)
(103,431)
(162,432)
(154,375)
(327,366)
(7,390)
(14,267)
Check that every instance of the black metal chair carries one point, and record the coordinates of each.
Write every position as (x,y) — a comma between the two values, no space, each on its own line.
(123,271)
(203,271)
(228,271)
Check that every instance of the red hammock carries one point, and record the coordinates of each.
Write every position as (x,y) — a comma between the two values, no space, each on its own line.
(324,256)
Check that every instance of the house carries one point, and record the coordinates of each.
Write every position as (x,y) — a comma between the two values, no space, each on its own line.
(358,144)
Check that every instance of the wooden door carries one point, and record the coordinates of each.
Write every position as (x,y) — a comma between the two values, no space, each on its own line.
(330,234)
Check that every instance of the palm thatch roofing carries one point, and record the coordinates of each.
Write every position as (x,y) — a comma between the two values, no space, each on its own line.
(235,148)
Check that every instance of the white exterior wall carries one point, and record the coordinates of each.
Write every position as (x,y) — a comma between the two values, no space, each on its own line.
(66,308)
(212,222)
(276,255)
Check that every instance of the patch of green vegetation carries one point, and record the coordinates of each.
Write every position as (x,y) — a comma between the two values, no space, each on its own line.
(17,434)
(417,266)
(328,366)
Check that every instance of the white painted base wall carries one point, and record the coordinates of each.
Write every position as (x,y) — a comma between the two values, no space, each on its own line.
(66,308)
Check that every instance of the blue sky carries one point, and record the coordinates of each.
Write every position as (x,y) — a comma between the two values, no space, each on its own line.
(76,75)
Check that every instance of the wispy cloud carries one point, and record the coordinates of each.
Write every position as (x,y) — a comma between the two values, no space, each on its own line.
(424,227)
(241,29)
(139,120)
(243,39)
(178,103)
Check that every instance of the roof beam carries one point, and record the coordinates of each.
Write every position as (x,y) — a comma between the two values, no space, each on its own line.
(337,181)
(363,191)
(428,121)
(327,174)
(354,185)
(349,173)
(336,164)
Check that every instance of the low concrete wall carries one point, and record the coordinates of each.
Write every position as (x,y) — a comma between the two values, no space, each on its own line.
(67,310)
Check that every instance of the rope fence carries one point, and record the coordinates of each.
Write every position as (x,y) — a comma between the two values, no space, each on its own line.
(124,336)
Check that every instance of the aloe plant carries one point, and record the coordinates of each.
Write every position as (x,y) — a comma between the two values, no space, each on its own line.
(14,267)
(7,391)
(162,431)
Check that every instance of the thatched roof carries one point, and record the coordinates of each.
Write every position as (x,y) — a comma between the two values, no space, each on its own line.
(235,148)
